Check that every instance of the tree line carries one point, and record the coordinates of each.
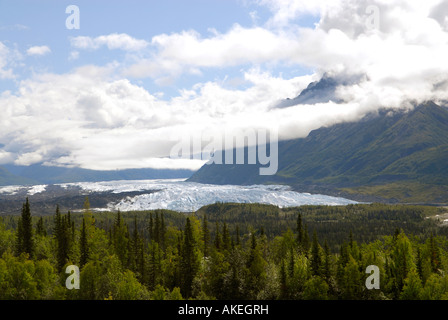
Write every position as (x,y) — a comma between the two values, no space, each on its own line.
(220,252)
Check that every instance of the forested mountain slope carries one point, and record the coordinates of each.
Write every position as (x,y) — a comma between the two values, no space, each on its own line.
(396,156)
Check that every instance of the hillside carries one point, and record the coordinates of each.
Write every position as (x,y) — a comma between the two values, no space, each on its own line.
(40,174)
(396,157)
(7,178)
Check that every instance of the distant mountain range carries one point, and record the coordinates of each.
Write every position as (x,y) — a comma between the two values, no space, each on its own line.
(393,156)
(40,174)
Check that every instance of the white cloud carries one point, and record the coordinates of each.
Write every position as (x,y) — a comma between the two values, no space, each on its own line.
(26,159)
(406,51)
(6,157)
(189,52)
(284,12)
(112,41)
(88,119)
(6,71)
(403,59)
(74,55)
(38,50)
(16,26)
(94,118)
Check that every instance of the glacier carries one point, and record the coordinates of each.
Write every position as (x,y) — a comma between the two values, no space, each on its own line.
(183,196)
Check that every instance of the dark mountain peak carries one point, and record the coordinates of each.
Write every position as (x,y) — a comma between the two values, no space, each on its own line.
(325,82)
(321,91)
(433,110)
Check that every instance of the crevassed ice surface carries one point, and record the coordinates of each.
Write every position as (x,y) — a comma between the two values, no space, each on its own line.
(185,196)
(37,189)
(30,189)
(10,189)
(180,195)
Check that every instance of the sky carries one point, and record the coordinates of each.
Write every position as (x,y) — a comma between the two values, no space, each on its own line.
(123,87)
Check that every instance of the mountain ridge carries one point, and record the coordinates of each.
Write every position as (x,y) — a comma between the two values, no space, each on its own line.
(407,148)
(40,174)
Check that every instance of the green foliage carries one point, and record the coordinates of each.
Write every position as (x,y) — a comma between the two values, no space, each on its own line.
(222,252)
(189,264)
(25,242)
(412,287)
(315,288)
(83,245)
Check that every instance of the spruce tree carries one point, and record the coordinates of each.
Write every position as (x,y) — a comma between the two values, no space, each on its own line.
(300,231)
(283,281)
(189,263)
(19,237)
(24,239)
(88,216)
(136,255)
(253,246)
(218,240)
(225,237)
(256,270)
(412,286)
(238,242)
(327,267)
(205,236)
(306,241)
(61,234)
(120,237)
(157,228)
(419,264)
(162,232)
(291,264)
(151,227)
(316,259)
(83,245)
(40,229)
(141,261)
(434,253)
(153,267)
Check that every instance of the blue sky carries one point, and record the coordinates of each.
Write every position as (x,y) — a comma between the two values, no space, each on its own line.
(140,76)
(25,24)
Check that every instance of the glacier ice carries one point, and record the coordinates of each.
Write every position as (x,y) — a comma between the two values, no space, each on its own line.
(30,190)
(180,195)
(184,196)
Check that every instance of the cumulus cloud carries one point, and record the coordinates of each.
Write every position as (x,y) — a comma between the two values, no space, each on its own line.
(38,50)
(88,119)
(6,157)
(401,54)
(398,46)
(96,118)
(189,52)
(121,41)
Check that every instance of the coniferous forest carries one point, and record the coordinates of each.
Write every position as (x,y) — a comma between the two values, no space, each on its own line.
(227,251)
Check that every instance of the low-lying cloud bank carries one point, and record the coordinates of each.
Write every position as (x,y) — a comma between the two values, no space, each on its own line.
(99,117)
